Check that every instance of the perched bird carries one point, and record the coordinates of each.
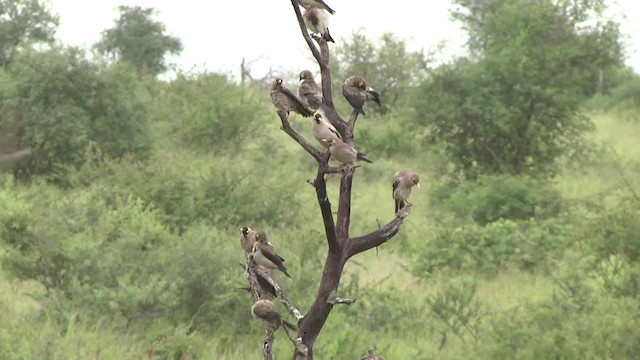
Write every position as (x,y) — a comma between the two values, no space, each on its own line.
(357,92)
(403,181)
(261,274)
(247,238)
(264,311)
(285,100)
(264,254)
(308,90)
(323,130)
(318,22)
(344,153)
(315,4)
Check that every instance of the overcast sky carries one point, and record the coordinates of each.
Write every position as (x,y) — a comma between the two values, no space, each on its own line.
(217,34)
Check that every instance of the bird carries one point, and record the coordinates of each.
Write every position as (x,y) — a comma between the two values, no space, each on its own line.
(261,274)
(247,238)
(316,4)
(285,100)
(403,181)
(344,153)
(318,22)
(308,90)
(264,311)
(323,130)
(264,254)
(357,92)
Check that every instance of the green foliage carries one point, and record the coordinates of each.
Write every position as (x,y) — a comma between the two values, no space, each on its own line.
(139,40)
(492,198)
(514,107)
(23,22)
(615,232)
(385,63)
(209,112)
(490,248)
(60,103)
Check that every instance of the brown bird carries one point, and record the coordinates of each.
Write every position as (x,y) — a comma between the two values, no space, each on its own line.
(403,181)
(344,153)
(318,22)
(247,238)
(285,100)
(264,254)
(323,130)
(357,92)
(261,274)
(317,4)
(264,311)
(308,90)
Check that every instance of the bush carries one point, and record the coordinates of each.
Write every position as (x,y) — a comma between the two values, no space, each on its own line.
(505,197)
(491,248)
(60,103)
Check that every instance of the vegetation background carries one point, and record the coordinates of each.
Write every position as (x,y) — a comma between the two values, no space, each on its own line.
(119,233)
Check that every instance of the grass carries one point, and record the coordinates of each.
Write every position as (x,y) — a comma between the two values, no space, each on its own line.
(36,336)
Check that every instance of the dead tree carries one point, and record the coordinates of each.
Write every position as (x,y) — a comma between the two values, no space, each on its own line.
(341,245)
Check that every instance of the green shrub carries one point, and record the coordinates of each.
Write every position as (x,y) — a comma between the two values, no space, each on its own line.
(492,198)
(491,248)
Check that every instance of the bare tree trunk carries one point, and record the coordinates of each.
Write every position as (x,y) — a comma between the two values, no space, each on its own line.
(341,246)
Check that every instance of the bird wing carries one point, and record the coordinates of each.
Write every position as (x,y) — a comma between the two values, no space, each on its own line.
(310,93)
(373,95)
(354,97)
(296,103)
(325,6)
(271,255)
(265,284)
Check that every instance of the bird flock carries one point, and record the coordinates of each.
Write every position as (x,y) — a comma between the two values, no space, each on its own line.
(260,253)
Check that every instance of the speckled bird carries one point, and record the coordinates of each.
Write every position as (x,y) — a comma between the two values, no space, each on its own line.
(285,100)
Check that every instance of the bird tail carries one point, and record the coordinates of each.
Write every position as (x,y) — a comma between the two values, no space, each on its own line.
(289,325)
(327,36)
(362,157)
(284,270)
(266,285)
(375,96)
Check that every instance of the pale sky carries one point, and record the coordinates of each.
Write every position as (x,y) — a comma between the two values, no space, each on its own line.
(217,34)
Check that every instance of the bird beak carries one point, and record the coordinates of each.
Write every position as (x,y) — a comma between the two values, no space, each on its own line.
(418,185)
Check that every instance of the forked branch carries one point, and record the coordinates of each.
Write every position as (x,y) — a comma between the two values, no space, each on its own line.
(378,237)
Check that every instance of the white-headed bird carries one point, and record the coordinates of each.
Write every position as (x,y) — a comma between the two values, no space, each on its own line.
(323,130)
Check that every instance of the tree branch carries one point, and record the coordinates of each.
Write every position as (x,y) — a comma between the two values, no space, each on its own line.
(350,126)
(344,206)
(286,127)
(335,299)
(305,32)
(325,206)
(376,238)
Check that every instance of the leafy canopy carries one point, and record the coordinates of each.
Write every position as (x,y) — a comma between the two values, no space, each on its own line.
(138,39)
(513,106)
(23,21)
